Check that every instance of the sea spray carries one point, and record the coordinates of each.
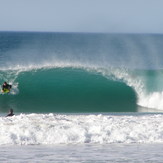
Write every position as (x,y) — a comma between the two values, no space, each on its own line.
(102,58)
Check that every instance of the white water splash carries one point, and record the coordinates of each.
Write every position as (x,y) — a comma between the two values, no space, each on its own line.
(80,129)
(153,100)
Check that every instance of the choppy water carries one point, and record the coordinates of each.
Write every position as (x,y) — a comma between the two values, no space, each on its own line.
(126,153)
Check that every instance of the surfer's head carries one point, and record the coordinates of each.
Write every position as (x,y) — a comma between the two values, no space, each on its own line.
(5,83)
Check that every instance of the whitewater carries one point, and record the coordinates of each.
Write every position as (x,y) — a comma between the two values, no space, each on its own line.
(80,97)
(81,138)
(51,129)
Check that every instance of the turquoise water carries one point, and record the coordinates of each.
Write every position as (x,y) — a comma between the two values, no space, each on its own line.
(73,72)
(69,90)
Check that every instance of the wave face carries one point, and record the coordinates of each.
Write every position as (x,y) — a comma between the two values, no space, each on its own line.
(35,129)
(68,90)
(69,72)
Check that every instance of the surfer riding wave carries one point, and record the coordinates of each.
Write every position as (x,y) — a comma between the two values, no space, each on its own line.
(6,87)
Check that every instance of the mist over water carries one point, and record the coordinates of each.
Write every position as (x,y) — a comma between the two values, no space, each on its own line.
(103,50)
(129,63)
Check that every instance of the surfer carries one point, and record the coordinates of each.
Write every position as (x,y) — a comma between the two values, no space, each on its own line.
(6,87)
(11,113)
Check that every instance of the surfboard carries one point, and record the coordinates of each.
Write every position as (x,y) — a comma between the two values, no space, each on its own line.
(5,91)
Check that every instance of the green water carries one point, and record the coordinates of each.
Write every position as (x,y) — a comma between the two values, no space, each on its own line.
(69,90)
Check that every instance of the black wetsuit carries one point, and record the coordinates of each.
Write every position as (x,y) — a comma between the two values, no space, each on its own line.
(7,86)
(9,115)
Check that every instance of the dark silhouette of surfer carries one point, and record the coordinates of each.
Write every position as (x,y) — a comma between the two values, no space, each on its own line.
(6,87)
(11,113)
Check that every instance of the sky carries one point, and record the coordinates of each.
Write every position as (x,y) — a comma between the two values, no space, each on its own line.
(104,16)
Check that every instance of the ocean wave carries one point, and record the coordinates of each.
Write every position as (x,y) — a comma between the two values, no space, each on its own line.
(104,85)
(68,90)
(132,61)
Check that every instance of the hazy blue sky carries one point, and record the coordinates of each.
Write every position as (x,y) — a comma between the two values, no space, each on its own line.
(141,16)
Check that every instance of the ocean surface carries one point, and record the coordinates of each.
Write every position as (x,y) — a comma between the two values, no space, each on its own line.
(81,97)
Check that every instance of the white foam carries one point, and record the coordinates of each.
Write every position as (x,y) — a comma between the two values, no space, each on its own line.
(151,100)
(80,129)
